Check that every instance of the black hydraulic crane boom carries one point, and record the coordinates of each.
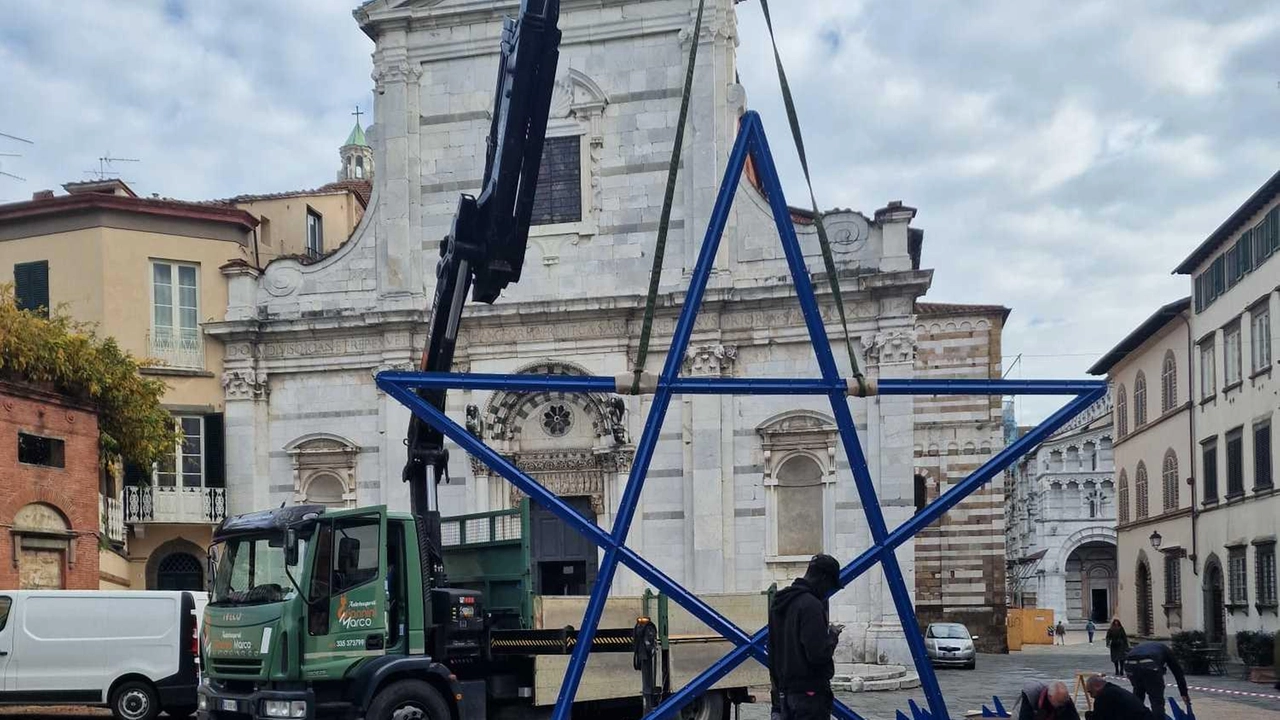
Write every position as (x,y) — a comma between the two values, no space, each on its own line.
(485,250)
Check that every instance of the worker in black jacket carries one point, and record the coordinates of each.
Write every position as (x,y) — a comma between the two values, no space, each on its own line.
(802,643)
(1145,666)
(1112,702)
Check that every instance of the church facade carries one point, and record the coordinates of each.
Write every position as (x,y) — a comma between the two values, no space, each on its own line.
(741,490)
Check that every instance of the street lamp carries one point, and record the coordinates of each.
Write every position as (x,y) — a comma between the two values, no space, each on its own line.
(1155,539)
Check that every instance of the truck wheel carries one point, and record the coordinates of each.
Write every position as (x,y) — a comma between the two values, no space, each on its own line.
(135,700)
(406,700)
(710,706)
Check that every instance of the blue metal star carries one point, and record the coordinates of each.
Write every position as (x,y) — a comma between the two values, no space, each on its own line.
(750,142)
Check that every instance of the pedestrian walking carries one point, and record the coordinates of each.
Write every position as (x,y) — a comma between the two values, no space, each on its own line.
(1145,665)
(1062,633)
(1112,702)
(1039,701)
(1090,628)
(1118,643)
(802,643)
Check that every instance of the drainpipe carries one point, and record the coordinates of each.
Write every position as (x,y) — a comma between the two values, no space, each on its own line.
(1191,447)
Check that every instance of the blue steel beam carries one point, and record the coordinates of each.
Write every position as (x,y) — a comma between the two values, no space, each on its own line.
(737,386)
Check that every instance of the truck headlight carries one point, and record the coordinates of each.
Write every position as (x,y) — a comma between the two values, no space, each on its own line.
(284,708)
(202,701)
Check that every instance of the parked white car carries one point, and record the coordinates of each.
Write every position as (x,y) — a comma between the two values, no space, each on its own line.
(134,652)
(950,644)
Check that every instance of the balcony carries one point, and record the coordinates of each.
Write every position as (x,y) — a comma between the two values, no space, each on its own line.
(112,520)
(189,505)
(181,348)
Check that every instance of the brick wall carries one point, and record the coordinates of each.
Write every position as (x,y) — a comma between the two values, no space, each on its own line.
(960,559)
(71,490)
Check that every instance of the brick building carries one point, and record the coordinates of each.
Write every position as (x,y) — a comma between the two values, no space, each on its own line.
(960,559)
(49,506)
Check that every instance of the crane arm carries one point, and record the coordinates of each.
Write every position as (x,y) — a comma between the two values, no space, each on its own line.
(485,250)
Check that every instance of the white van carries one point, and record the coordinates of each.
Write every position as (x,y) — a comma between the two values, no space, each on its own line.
(134,652)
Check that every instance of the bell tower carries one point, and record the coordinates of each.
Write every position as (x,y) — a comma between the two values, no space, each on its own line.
(357,156)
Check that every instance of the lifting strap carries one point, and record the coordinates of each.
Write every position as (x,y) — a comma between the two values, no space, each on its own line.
(659,250)
(827,258)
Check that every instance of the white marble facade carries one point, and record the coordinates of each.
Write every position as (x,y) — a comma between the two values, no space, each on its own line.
(1061,520)
(741,490)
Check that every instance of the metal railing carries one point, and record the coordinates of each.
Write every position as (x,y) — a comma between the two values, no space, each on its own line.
(177,347)
(197,505)
(112,520)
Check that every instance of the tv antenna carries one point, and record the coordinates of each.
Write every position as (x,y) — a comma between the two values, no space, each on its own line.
(16,139)
(105,170)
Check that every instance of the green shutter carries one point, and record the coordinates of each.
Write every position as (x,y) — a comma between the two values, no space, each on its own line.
(31,286)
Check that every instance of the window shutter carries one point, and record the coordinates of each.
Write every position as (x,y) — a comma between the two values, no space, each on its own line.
(31,285)
(214,447)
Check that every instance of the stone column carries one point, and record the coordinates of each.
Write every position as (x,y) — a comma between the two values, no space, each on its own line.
(399,220)
(712,125)
(712,491)
(245,386)
(890,353)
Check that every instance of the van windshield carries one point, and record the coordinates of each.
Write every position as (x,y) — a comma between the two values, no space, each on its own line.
(251,571)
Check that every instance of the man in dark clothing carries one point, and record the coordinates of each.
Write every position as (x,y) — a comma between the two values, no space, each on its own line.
(1039,701)
(1112,702)
(802,643)
(1145,666)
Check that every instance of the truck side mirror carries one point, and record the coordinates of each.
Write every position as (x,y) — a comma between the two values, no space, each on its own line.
(290,546)
(211,560)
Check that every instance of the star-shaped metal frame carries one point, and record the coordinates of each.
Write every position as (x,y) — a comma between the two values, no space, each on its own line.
(750,142)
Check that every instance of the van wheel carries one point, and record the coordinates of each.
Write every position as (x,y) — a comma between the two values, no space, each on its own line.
(406,700)
(710,706)
(135,700)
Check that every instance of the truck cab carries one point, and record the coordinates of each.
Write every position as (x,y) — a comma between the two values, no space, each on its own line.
(311,611)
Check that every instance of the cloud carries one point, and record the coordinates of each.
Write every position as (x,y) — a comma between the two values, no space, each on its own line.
(213,99)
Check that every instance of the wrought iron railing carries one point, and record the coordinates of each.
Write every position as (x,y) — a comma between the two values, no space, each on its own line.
(151,504)
(178,347)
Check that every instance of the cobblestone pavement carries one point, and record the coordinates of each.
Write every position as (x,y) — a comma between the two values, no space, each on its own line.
(1003,675)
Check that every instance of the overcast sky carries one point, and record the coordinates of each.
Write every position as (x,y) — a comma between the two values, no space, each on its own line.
(1063,156)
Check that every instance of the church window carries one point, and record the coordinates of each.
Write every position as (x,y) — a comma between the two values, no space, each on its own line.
(557,420)
(558,198)
(359,168)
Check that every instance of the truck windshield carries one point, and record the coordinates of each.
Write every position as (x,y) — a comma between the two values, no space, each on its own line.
(251,571)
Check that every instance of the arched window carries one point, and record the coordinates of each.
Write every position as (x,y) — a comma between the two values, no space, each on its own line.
(1170,477)
(180,571)
(1140,491)
(800,506)
(1169,383)
(1123,510)
(1122,412)
(1140,400)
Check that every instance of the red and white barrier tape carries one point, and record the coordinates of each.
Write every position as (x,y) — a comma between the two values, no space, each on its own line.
(1238,693)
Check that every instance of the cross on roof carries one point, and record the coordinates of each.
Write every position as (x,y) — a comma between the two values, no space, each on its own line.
(357,113)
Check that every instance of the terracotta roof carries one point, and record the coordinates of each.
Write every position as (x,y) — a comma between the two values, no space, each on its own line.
(362,189)
(122,203)
(928,308)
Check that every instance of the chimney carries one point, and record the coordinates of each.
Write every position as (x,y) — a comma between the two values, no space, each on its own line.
(42,195)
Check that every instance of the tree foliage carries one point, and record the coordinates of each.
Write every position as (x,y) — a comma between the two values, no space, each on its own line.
(69,356)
